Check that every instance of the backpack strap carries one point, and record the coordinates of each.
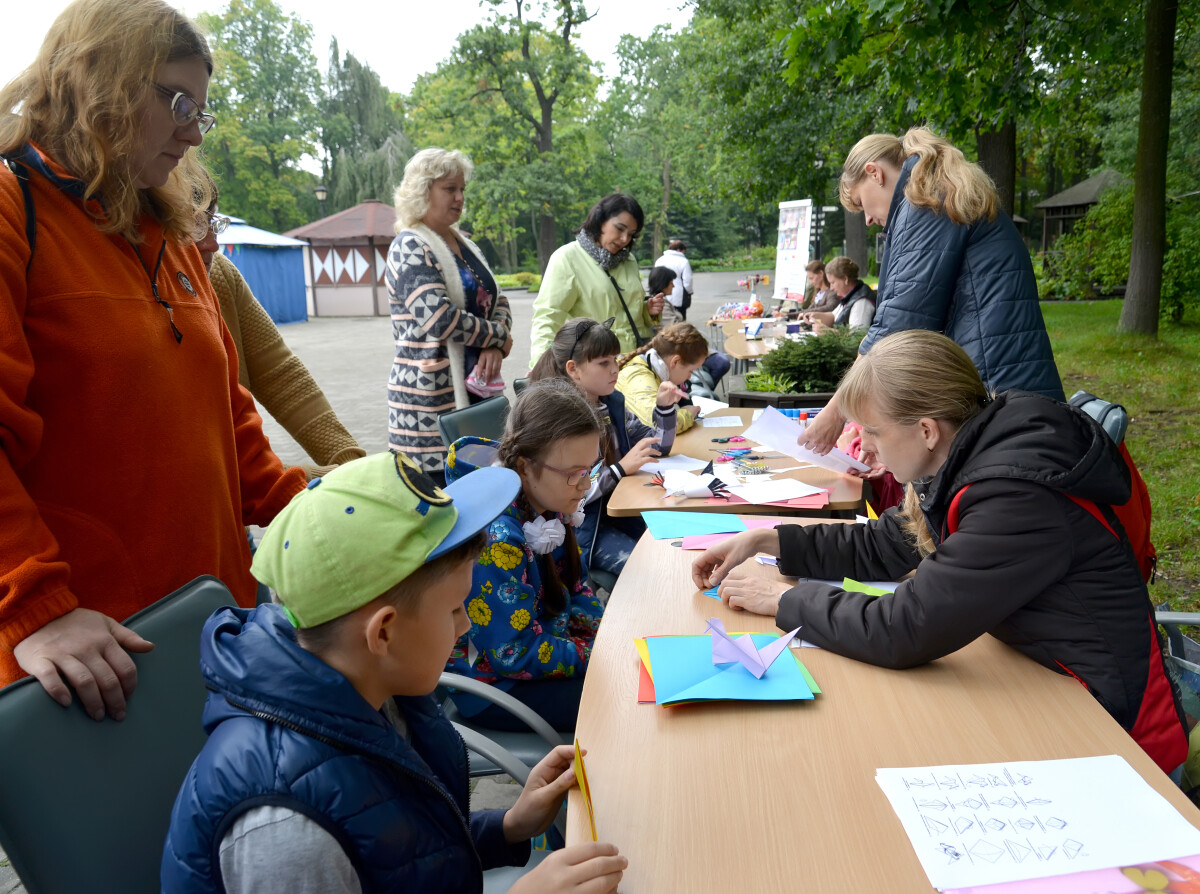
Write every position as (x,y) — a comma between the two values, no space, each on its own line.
(22,174)
(1088,505)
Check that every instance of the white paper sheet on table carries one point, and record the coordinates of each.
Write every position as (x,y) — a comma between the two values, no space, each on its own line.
(680,462)
(774,490)
(721,422)
(778,432)
(982,824)
(754,416)
(707,405)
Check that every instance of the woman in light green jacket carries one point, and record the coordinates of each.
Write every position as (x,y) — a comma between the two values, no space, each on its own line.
(596,276)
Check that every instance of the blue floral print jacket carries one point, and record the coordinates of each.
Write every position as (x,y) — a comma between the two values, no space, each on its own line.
(514,635)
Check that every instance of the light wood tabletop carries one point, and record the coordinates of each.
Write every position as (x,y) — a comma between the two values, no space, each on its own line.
(632,497)
(777,797)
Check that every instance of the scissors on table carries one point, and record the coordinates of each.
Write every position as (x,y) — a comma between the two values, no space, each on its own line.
(732,439)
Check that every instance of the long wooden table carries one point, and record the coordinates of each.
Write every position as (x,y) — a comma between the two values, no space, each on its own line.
(779,797)
(632,497)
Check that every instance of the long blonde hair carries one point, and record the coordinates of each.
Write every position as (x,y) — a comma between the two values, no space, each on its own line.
(81,101)
(941,180)
(909,376)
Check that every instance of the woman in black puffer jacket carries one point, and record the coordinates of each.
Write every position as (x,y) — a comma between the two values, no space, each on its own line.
(1007,522)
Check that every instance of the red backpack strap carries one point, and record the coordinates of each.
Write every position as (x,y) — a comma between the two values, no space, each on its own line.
(952,514)
(1094,511)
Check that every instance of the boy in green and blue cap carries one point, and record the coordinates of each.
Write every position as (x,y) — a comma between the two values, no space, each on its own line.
(328,767)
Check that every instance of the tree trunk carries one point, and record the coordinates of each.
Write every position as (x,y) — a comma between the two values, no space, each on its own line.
(1139,312)
(660,222)
(997,151)
(856,239)
(547,240)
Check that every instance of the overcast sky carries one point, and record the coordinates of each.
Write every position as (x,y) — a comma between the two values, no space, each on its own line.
(400,40)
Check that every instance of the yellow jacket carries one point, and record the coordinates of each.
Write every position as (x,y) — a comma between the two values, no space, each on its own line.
(638,382)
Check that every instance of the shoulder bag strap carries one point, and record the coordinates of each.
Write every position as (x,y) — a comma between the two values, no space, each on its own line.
(22,174)
(637,336)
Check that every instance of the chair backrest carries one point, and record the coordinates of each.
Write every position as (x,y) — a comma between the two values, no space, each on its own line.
(85,806)
(520,385)
(482,420)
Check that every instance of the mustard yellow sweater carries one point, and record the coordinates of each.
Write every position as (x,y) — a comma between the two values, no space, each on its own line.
(277,378)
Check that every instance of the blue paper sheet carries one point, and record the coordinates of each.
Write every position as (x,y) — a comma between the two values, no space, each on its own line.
(683,671)
(712,591)
(667,525)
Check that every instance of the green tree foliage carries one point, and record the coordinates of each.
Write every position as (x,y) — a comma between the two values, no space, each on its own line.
(264,92)
(364,147)
(541,78)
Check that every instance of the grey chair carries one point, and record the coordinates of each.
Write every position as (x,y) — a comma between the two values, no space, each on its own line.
(85,805)
(482,420)
(499,751)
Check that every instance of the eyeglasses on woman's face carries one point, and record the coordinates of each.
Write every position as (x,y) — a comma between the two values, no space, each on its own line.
(210,223)
(185,110)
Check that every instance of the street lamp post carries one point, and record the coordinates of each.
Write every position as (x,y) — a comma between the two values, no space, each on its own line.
(321,192)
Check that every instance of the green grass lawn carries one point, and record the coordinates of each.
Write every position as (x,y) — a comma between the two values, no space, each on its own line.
(1158,382)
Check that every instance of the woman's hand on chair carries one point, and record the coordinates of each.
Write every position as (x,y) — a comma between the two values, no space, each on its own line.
(88,650)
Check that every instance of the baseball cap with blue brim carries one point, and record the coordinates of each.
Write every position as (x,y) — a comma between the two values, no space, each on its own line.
(354,534)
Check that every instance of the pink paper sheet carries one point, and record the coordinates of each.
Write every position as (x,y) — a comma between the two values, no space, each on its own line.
(816,501)
(704,541)
(1182,874)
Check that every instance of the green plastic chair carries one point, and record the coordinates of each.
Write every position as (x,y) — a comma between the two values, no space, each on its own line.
(482,420)
(85,806)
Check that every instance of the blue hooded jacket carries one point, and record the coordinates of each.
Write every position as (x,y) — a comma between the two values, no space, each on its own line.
(974,283)
(287,729)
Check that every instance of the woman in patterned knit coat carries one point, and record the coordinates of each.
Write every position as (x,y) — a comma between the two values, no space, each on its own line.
(450,323)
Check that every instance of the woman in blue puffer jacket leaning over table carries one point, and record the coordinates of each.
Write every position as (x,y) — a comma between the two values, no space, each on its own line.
(953,263)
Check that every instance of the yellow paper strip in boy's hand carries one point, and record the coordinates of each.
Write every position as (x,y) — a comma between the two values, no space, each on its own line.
(584,789)
(871,512)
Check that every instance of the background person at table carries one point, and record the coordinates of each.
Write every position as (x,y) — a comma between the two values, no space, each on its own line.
(671,357)
(1007,522)
(267,368)
(533,615)
(661,283)
(855,308)
(449,319)
(328,768)
(825,299)
(953,263)
(678,302)
(131,458)
(585,352)
(596,276)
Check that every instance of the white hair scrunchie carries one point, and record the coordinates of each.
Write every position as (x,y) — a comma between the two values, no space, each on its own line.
(544,535)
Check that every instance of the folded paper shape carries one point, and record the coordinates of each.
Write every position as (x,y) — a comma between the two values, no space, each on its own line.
(679,670)
(726,649)
(585,789)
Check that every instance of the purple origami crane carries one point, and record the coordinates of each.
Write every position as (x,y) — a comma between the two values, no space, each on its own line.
(726,649)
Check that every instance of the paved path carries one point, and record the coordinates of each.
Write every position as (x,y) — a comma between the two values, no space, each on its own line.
(350,358)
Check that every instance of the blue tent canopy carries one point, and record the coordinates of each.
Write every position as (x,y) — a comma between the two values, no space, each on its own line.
(273,266)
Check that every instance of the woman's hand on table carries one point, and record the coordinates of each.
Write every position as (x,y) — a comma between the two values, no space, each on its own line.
(820,435)
(743,590)
(711,566)
(488,367)
(88,650)
(592,868)
(642,452)
(668,395)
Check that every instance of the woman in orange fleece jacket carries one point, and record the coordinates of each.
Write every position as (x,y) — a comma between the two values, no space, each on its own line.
(131,458)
